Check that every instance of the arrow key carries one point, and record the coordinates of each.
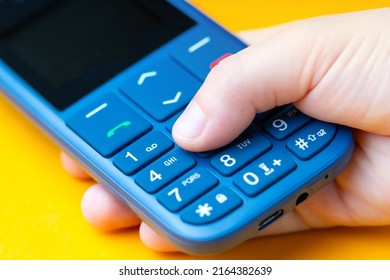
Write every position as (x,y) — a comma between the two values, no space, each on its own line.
(161,89)
(144,76)
(174,100)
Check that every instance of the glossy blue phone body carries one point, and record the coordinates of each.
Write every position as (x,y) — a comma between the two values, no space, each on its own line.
(199,226)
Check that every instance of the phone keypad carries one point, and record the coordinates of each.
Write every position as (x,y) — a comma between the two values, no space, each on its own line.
(192,185)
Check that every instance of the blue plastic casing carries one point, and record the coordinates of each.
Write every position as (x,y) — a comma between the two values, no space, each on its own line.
(201,203)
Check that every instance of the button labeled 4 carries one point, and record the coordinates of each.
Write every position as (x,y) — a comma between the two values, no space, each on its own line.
(164,170)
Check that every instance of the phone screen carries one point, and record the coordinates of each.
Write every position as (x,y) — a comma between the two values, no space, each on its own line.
(68,48)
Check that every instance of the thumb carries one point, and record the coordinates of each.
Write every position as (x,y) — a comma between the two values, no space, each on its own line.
(334,68)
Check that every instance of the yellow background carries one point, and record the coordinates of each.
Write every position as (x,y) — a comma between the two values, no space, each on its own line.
(40,215)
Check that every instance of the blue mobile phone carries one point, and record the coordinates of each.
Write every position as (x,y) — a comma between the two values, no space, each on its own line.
(107,80)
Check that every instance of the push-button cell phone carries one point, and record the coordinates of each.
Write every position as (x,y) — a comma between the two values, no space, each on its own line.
(107,80)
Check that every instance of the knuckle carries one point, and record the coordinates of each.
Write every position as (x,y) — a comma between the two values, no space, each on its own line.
(228,73)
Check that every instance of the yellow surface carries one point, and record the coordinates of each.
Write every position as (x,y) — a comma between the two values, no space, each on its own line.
(40,214)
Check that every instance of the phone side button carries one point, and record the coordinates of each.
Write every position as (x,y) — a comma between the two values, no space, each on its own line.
(212,207)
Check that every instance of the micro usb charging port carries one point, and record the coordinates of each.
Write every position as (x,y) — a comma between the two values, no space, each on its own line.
(269,220)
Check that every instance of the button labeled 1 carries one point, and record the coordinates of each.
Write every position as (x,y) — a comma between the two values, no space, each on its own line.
(137,155)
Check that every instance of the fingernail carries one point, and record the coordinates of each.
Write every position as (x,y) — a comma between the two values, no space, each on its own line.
(191,123)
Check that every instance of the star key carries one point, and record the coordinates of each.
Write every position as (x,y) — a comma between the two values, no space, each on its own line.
(212,206)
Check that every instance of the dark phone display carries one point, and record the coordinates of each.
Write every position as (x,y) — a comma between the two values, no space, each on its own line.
(70,47)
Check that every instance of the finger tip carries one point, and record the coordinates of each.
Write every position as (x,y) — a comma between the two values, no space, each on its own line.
(72,167)
(105,212)
(189,127)
(153,240)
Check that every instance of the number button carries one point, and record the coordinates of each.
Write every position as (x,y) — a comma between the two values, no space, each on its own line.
(245,149)
(227,160)
(163,171)
(286,123)
(213,206)
(142,152)
(186,189)
(264,172)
